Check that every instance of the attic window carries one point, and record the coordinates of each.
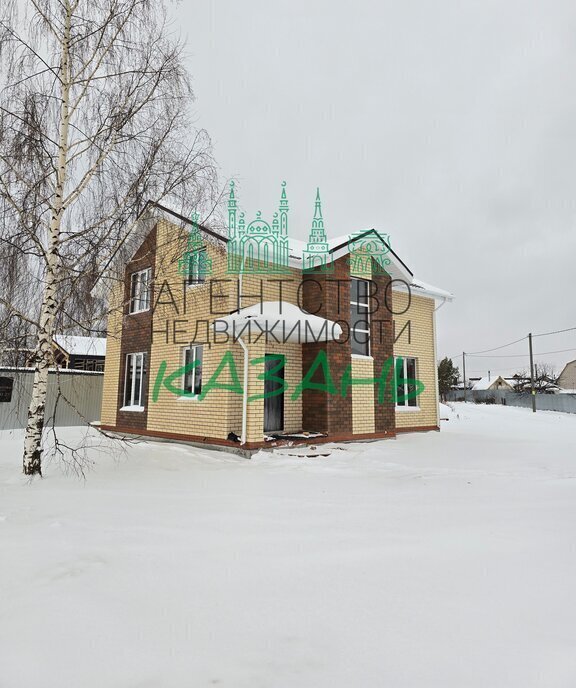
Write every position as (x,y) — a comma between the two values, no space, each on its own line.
(197,266)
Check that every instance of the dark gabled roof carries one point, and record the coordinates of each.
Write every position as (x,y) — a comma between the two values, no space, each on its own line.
(342,242)
(185,219)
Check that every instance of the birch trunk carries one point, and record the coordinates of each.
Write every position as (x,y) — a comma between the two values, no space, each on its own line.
(32,460)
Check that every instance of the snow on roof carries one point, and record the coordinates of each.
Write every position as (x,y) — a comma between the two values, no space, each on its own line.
(81,346)
(487,382)
(298,247)
(432,290)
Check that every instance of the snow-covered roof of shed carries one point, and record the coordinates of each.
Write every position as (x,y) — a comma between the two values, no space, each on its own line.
(487,382)
(81,346)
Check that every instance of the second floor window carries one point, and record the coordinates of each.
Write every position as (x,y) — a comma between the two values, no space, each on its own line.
(140,291)
(192,359)
(360,317)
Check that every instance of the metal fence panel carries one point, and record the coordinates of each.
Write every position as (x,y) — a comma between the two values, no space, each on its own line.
(565,403)
(74,397)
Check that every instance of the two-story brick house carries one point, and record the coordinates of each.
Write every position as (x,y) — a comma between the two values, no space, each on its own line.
(332,347)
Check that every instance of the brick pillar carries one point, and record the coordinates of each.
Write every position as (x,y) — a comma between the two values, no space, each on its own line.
(255,415)
(328,296)
(382,340)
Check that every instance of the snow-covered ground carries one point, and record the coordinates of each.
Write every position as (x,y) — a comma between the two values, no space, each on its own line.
(440,560)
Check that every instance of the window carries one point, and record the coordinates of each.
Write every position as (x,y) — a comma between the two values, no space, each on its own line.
(133,381)
(197,267)
(360,317)
(6,386)
(140,291)
(192,380)
(405,370)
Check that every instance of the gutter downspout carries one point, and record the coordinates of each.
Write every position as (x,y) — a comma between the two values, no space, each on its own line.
(245,392)
(245,349)
(436,361)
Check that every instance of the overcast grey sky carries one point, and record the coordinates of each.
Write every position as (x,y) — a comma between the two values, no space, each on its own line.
(451,125)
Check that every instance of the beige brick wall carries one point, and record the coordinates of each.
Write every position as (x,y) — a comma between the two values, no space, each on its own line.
(112,363)
(421,316)
(362,396)
(186,305)
(220,411)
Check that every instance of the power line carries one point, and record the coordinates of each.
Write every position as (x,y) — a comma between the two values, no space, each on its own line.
(504,346)
(560,351)
(500,356)
(542,353)
(499,370)
(496,348)
(485,351)
(545,334)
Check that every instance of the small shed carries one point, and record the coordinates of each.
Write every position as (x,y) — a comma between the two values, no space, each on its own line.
(492,382)
(80,353)
(567,378)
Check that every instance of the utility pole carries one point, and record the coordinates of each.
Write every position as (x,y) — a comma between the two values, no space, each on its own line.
(464,372)
(532,390)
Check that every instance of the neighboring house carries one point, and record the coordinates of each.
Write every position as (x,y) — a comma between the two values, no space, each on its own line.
(174,370)
(492,382)
(80,353)
(567,378)
(68,351)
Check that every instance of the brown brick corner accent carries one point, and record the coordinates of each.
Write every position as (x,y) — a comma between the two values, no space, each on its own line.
(382,339)
(420,428)
(328,296)
(250,446)
(136,334)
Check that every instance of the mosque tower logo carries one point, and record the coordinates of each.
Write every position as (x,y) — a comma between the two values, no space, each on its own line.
(259,247)
(316,257)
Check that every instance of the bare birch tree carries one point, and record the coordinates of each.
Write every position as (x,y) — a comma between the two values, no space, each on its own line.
(94,121)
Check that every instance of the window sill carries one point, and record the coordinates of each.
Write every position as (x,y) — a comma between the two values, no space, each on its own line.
(363,356)
(144,310)
(188,397)
(132,408)
(195,284)
(408,409)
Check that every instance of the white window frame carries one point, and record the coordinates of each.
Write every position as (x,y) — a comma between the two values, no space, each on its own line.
(192,394)
(131,364)
(367,306)
(140,297)
(195,277)
(406,405)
